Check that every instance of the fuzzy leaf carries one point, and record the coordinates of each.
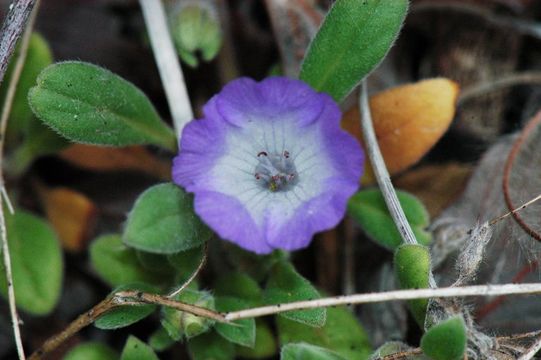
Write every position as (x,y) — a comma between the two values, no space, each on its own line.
(301,351)
(117,264)
(354,38)
(240,285)
(88,104)
(350,344)
(368,209)
(185,263)
(412,268)
(408,120)
(163,221)
(36,261)
(240,332)
(265,343)
(135,349)
(91,351)
(446,340)
(126,315)
(160,340)
(286,285)
(211,346)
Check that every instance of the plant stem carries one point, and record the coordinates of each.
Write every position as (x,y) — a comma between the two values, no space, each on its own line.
(525,78)
(15,23)
(382,175)
(168,63)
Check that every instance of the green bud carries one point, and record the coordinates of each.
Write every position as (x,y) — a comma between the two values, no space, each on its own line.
(195,26)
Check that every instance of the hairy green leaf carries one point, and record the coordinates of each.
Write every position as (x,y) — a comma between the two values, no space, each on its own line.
(300,351)
(446,340)
(265,343)
(240,332)
(354,38)
(412,268)
(286,285)
(36,260)
(163,221)
(368,208)
(135,349)
(211,346)
(88,104)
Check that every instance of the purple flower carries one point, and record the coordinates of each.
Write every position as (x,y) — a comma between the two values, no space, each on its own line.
(269,164)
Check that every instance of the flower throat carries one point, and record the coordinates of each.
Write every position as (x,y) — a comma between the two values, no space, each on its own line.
(276,171)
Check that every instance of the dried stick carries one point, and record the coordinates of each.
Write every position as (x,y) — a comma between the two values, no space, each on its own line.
(447,292)
(131,298)
(14,25)
(382,175)
(532,350)
(525,78)
(168,63)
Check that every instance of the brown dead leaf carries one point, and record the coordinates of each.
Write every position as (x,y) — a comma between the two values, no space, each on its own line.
(135,158)
(435,185)
(71,214)
(408,121)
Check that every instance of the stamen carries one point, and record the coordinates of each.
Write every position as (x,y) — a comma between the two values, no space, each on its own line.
(275,171)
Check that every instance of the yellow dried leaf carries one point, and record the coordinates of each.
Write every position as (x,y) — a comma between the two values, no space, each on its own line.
(71,214)
(408,120)
(134,158)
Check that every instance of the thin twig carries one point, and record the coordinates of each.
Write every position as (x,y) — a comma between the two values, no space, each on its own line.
(168,63)
(525,78)
(18,16)
(382,175)
(193,275)
(447,292)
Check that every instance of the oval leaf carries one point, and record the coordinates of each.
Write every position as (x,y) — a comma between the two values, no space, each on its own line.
(352,343)
(135,349)
(126,315)
(412,268)
(306,351)
(446,340)
(91,351)
(240,332)
(36,261)
(286,285)
(117,264)
(265,343)
(369,210)
(354,38)
(88,104)
(163,221)
(211,346)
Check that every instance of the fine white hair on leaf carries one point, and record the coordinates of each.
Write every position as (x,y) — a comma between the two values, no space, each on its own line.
(471,254)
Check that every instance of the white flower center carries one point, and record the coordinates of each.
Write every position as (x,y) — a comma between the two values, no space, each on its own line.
(276,171)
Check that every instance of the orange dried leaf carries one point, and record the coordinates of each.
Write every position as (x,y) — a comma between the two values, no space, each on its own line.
(135,158)
(408,120)
(71,214)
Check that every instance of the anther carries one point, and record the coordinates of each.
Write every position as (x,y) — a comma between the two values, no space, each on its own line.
(262,153)
(286,154)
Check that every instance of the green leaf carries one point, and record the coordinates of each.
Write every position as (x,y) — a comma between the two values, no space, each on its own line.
(368,208)
(354,38)
(163,221)
(412,268)
(38,57)
(302,351)
(36,261)
(393,347)
(135,349)
(160,340)
(239,285)
(446,340)
(286,285)
(211,346)
(341,333)
(117,264)
(88,104)
(240,332)
(126,315)
(265,343)
(91,351)
(180,324)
